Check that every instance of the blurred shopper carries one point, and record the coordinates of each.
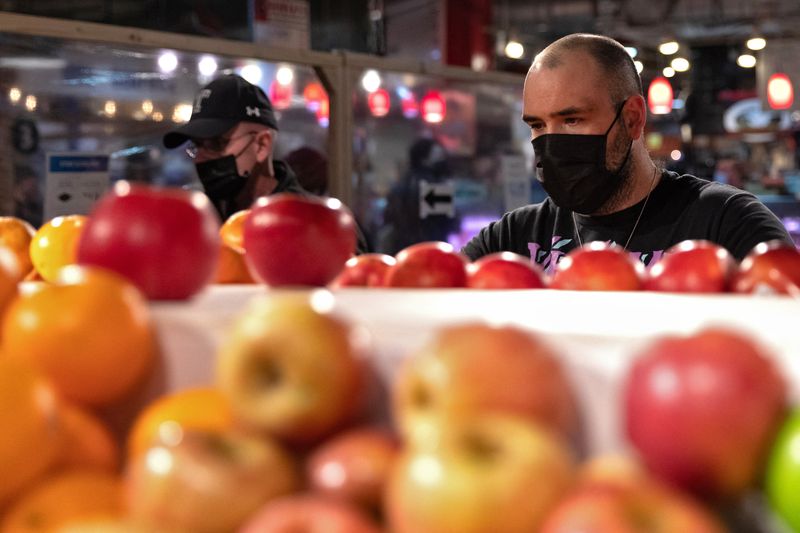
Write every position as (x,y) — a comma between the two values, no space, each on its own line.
(230,137)
(584,104)
(311,168)
(405,222)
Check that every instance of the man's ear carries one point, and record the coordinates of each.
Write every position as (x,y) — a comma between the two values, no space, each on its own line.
(634,114)
(264,141)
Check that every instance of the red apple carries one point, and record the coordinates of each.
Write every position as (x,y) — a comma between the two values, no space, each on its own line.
(505,270)
(771,267)
(428,265)
(365,270)
(703,409)
(298,240)
(474,368)
(206,482)
(598,266)
(692,266)
(354,466)
(166,241)
(309,514)
(644,506)
(291,370)
(485,474)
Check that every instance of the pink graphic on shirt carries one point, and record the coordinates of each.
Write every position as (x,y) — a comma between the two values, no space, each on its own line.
(561,246)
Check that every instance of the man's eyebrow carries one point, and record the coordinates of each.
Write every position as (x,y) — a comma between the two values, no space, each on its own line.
(572,110)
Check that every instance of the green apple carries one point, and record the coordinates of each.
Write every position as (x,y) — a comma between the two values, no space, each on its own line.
(783,472)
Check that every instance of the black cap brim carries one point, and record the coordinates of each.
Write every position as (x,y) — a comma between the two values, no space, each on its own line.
(201,128)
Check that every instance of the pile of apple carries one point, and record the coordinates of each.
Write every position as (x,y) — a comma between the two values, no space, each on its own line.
(482,435)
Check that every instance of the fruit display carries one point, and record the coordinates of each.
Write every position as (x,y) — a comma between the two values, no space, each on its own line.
(489,398)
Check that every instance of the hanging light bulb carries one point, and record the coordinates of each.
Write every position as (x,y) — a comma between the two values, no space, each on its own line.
(756,43)
(668,72)
(680,64)
(514,49)
(659,96)
(746,61)
(668,48)
(780,93)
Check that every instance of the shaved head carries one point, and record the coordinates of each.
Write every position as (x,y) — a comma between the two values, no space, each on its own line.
(619,73)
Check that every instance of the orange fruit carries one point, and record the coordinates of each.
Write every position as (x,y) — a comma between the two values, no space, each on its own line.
(231,231)
(55,245)
(89,333)
(16,235)
(231,267)
(86,442)
(66,497)
(9,277)
(203,409)
(28,426)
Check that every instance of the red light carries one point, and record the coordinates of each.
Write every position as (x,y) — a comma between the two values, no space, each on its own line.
(659,96)
(314,94)
(780,93)
(379,103)
(433,107)
(280,95)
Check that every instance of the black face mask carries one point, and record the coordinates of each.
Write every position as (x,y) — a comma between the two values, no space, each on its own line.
(572,169)
(220,178)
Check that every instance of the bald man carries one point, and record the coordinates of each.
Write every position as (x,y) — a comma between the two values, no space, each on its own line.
(584,104)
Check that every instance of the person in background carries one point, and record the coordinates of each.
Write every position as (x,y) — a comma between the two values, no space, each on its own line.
(311,168)
(230,137)
(584,104)
(404,224)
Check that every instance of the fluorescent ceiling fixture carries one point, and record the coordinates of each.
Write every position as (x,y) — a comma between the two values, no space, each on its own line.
(167,62)
(207,65)
(639,66)
(746,61)
(668,48)
(756,43)
(32,62)
(371,81)
(680,64)
(632,51)
(668,72)
(285,75)
(514,49)
(252,73)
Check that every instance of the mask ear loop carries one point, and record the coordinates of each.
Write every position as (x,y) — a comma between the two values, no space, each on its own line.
(619,112)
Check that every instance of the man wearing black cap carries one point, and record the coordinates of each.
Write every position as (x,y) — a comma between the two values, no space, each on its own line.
(231,134)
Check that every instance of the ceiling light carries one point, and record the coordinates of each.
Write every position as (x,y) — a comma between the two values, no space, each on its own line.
(680,64)
(284,75)
(746,61)
(514,49)
(14,94)
(632,51)
(207,65)
(756,43)
(668,48)
(639,66)
(252,73)
(668,72)
(167,62)
(371,81)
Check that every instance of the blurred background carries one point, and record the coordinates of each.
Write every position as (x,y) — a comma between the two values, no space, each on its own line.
(408,110)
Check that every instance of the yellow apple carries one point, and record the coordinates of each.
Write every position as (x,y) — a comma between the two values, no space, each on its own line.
(486,474)
(206,482)
(476,368)
(291,370)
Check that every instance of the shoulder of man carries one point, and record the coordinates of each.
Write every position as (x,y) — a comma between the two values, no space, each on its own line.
(511,232)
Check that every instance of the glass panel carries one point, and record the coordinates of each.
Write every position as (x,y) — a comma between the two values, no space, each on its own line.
(66,96)
(437,159)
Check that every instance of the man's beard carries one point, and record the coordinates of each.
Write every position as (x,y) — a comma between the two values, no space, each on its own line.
(619,149)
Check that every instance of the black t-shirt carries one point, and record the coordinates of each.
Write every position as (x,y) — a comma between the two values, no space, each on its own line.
(679,208)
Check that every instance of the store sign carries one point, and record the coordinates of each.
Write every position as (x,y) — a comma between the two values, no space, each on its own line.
(284,23)
(436,199)
(74,183)
(749,115)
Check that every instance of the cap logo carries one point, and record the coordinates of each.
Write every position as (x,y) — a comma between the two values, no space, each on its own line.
(252,111)
(198,102)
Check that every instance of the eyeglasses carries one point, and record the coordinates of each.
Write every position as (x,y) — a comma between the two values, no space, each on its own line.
(214,145)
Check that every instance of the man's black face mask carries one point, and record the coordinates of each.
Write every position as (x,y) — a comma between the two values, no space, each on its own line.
(572,169)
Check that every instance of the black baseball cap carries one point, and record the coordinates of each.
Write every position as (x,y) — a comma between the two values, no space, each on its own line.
(221,105)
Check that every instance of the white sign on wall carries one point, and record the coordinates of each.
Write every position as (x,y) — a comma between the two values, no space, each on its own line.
(516,182)
(74,183)
(436,199)
(284,23)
